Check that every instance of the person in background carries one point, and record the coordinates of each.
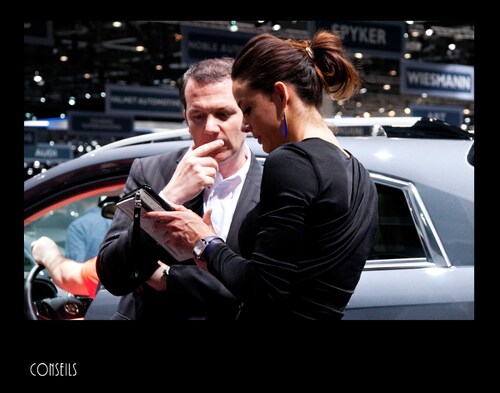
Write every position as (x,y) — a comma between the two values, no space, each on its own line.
(85,234)
(217,173)
(68,274)
(304,246)
(72,276)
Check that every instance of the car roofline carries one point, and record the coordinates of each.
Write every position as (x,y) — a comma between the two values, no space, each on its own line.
(184,132)
(150,137)
(330,121)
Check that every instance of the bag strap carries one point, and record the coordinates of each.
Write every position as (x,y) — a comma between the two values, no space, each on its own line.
(136,232)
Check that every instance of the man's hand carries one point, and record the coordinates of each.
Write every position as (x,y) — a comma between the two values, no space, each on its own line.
(45,251)
(195,171)
(182,227)
(158,280)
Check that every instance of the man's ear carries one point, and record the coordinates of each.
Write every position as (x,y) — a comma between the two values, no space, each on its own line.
(185,118)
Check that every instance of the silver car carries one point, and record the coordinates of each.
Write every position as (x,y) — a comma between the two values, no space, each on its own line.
(422,262)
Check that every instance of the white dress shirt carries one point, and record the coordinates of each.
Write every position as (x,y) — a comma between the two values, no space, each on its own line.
(223,197)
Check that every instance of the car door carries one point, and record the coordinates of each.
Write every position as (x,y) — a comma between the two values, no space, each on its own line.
(409,274)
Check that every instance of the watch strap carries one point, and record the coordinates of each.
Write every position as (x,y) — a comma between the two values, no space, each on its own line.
(200,246)
(211,244)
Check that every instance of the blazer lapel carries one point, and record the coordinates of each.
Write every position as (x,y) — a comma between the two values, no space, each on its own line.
(249,198)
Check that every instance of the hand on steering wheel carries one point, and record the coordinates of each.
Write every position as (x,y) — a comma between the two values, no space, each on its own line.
(56,308)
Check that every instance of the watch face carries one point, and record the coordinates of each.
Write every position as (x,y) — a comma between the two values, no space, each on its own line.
(198,248)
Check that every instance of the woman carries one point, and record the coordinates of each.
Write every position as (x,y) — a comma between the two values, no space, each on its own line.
(304,246)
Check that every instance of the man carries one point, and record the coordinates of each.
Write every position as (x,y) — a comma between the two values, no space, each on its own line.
(85,234)
(222,176)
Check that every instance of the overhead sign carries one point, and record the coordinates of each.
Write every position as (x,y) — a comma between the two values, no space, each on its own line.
(86,122)
(440,80)
(200,43)
(47,152)
(449,114)
(144,101)
(384,39)
(39,32)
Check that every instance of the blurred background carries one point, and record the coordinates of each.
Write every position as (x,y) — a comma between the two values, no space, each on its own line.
(88,83)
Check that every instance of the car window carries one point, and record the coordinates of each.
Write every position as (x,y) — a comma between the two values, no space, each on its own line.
(55,223)
(397,236)
(406,236)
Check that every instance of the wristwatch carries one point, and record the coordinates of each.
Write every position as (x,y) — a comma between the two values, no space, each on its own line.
(203,243)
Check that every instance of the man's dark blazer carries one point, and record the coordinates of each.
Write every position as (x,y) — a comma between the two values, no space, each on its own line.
(192,293)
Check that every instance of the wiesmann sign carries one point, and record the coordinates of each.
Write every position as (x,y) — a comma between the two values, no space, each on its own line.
(440,80)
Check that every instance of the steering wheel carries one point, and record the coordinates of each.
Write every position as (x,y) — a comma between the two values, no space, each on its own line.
(59,307)
(29,305)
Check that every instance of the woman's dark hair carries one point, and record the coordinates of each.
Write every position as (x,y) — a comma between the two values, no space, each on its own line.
(310,66)
(205,72)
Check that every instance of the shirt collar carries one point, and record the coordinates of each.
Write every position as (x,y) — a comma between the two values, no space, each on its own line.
(223,187)
(237,177)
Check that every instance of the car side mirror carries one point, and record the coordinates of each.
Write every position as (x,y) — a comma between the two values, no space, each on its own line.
(108,206)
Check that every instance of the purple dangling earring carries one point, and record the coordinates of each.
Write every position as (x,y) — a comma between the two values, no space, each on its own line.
(284,127)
